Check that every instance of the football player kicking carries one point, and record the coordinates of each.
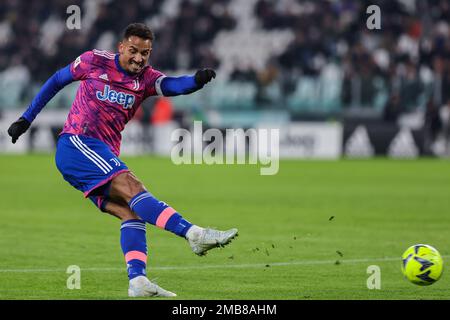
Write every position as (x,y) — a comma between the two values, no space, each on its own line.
(112,87)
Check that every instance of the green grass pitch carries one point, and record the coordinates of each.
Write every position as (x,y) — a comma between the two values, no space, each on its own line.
(289,245)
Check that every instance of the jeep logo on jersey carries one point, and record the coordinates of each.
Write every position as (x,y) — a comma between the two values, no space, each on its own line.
(124,99)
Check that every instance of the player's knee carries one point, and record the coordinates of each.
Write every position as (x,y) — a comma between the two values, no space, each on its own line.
(125,186)
(129,216)
(122,212)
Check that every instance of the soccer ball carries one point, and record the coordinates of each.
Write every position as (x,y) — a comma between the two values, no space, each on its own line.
(422,264)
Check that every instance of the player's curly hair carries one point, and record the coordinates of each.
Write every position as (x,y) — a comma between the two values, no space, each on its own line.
(139,30)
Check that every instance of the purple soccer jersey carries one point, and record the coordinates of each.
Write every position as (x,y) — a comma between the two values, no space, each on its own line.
(107,97)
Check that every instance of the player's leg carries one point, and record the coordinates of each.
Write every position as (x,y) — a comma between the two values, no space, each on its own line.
(132,235)
(89,165)
(127,188)
(134,247)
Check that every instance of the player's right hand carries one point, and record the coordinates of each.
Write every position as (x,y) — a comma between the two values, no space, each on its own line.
(18,128)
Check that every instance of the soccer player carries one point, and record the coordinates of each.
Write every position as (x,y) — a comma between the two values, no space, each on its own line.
(112,87)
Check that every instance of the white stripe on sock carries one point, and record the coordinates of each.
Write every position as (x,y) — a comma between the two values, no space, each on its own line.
(136,226)
(138,199)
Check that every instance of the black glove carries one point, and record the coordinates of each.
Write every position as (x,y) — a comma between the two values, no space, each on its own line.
(18,128)
(204,76)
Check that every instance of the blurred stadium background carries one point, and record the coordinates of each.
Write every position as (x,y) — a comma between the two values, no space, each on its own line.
(280,63)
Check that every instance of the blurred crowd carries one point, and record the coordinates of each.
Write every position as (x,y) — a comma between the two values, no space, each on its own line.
(409,55)
(34,33)
(402,67)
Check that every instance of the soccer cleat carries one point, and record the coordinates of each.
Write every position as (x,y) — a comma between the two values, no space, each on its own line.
(206,239)
(142,287)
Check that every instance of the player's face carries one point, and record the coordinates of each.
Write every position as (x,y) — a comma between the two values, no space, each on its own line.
(134,53)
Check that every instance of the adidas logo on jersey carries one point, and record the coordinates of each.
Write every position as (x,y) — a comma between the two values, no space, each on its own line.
(104,77)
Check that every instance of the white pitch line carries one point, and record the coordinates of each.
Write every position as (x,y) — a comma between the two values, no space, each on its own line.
(220,266)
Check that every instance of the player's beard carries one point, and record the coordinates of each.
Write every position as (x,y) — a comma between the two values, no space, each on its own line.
(135,67)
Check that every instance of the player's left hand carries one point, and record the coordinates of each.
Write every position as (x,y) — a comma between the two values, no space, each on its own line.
(18,128)
(204,76)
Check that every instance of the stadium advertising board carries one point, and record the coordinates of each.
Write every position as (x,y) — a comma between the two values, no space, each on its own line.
(315,140)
